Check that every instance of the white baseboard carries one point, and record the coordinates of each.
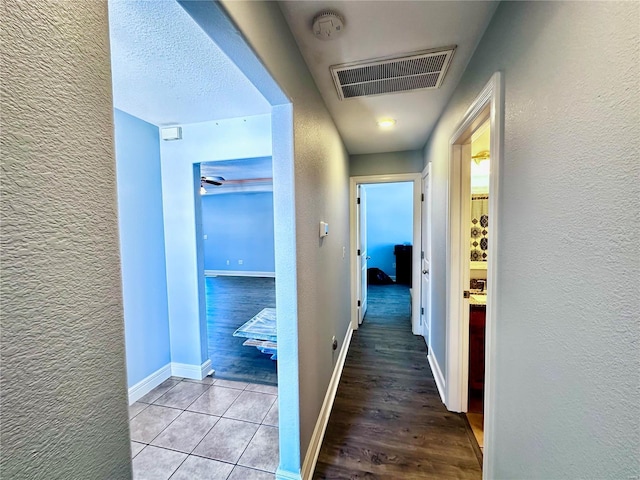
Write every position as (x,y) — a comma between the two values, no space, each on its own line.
(173,369)
(238,273)
(144,386)
(437,375)
(195,372)
(311,458)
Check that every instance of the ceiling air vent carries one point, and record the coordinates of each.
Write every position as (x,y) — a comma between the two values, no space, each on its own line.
(415,71)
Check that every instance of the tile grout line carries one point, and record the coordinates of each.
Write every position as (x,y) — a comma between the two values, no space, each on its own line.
(182,411)
(149,444)
(172,421)
(248,443)
(178,467)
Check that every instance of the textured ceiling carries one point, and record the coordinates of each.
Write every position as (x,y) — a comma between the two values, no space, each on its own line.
(166,70)
(379,29)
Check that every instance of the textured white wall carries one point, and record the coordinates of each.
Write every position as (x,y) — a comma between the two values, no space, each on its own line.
(409,161)
(63,387)
(321,193)
(567,397)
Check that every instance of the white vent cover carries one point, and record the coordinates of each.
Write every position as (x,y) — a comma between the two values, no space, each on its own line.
(415,71)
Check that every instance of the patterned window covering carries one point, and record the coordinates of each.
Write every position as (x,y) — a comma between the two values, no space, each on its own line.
(479,227)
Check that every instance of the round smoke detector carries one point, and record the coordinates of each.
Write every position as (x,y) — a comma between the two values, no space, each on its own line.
(327,25)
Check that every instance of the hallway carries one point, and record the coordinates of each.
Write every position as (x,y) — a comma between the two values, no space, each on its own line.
(388,420)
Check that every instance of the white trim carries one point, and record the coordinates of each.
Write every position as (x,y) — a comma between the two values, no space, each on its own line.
(492,96)
(497,149)
(173,369)
(437,374)
(313,450)
(195,372)
(416,178)
(144,386)
(238,273)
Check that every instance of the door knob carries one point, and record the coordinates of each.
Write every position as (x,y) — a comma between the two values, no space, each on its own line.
(425,272)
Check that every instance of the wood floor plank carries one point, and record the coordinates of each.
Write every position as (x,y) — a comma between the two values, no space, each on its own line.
(231,301)
(388,421)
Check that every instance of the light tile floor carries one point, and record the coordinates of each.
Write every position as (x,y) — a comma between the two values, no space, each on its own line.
(210,429)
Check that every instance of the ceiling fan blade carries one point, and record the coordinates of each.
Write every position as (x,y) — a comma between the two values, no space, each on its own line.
(212,180)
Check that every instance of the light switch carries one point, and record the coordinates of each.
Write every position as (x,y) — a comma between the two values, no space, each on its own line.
(324,229)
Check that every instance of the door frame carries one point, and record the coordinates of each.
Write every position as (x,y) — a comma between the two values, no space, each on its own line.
(488,104)
(416,178)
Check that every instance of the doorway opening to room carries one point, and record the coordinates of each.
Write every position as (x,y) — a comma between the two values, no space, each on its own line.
(386,245)
(478,222)
(385,228)
(471,263)
(226,108)
(239,267)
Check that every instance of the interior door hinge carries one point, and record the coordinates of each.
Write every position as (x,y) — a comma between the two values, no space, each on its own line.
(466,294)
(358,200)
(423,197)
(421,310)
(422,255)
(358,252)
(358,302)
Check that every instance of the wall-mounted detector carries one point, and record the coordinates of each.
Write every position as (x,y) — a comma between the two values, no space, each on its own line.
(327,25)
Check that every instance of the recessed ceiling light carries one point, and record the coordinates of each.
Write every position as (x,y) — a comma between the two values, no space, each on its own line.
(386,123)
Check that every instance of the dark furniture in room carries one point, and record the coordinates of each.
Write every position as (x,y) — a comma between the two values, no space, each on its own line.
(403,264)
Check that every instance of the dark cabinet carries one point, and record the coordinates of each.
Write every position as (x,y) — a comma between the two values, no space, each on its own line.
(403,264)
(477,321)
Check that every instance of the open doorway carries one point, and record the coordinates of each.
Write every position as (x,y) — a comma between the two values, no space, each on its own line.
(385,216)
(479,226)
(471,261)
(181,417)
(386,245)
(239,267)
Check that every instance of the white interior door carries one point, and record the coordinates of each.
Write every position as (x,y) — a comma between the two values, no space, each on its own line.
(362,251)
(426,258)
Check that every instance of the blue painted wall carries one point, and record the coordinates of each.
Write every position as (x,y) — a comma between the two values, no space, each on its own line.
(247,137)
(238,226)
(389,222)
(144,283)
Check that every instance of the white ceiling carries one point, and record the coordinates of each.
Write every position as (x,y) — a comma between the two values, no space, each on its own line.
(376,29)
(166,70)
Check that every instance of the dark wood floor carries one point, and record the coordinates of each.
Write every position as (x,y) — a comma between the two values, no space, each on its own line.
(231,301)
(388,421)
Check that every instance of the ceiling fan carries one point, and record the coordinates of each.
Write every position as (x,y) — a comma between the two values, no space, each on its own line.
(220,181)
(217,181)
